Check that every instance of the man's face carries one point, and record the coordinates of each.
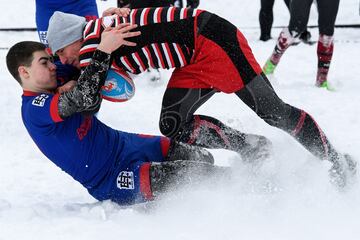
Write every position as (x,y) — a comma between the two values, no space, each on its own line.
(70,54)
(41,74)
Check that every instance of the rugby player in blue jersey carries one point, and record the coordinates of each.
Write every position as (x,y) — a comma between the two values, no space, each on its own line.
(124,167)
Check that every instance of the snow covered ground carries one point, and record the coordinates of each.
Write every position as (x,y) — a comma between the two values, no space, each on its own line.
(290,197)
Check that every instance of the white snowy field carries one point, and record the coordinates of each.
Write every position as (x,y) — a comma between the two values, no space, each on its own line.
(290,197)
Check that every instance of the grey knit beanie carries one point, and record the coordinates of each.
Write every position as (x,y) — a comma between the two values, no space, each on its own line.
(64,29)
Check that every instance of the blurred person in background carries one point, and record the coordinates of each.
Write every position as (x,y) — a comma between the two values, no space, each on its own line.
(266,18)
(44,9)
(299,16)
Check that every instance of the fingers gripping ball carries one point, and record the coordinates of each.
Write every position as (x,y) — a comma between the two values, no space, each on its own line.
(117,87)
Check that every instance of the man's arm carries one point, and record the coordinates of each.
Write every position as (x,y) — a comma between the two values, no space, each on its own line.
(157,3)
(85,95)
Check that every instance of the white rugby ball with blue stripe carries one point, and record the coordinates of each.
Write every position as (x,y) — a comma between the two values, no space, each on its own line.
(117,87)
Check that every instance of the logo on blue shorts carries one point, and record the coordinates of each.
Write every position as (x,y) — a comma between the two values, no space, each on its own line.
(125,180)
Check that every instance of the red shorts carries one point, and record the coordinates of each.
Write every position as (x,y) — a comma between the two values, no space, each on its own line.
(212,67)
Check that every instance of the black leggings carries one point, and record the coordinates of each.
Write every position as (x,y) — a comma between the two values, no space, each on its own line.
(266,16)
(171,175)
(262,99)
(178,121)
(300,11)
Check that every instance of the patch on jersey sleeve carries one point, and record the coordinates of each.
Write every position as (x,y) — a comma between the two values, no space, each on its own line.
(40,100)
(125,180)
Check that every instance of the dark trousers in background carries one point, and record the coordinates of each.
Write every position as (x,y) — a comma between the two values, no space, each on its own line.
(266,17)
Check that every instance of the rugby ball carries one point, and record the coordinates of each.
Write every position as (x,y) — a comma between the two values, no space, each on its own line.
(117,87)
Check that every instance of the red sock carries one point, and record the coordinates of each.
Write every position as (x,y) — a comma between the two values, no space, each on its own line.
(324,52)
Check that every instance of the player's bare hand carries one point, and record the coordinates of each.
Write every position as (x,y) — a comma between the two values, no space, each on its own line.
(121,12)
(114,37)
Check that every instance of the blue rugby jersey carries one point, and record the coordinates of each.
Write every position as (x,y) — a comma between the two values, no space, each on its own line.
(91,152)
(82,146)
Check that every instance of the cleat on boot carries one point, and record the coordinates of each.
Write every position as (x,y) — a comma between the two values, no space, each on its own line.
(325,85)
(256,150)
(343,171)
(269,67)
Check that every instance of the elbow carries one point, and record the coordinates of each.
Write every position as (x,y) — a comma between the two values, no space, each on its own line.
(93,108)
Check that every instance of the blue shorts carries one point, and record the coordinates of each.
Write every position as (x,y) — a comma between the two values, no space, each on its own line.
(128,182)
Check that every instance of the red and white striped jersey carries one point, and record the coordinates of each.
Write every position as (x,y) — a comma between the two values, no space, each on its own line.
(166,40)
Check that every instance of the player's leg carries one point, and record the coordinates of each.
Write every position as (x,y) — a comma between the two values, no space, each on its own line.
(183,151)
(178,121)
(287,3)
(177,174)
(143,180)
(266,19)
(305,36)
(299,16)
(159,148)
(262,99)
(128,181)
(257,93)
(191,86)
(327,14)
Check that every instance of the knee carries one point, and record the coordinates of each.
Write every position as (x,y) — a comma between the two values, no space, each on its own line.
(169,126)
(285,118)
(278,116)
(183,151)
